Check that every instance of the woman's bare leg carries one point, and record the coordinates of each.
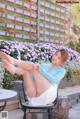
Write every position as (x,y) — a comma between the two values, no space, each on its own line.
(34,87)
(26,65)
(29,83)
(37,86)
(41,83)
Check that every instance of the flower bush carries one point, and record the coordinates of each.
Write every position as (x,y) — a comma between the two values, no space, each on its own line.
(34,52)
(8,80)
(73,69)
(38,53)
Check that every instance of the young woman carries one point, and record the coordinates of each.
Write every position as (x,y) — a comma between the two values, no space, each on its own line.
(42,89)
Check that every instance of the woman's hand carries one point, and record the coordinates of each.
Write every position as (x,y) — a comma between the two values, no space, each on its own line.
(36,66)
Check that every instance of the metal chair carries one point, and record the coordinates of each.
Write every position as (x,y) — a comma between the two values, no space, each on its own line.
(27,108)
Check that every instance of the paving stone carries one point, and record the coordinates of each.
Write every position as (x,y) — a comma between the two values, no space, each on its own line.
(15,114)
(74,112)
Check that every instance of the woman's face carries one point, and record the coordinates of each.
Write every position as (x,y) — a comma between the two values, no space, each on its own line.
(56,59)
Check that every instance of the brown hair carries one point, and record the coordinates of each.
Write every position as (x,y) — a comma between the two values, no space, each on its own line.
(64,55)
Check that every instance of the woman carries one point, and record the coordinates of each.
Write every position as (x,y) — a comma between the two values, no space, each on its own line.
(42,89)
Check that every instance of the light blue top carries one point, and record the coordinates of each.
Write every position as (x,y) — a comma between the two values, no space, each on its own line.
(52,73)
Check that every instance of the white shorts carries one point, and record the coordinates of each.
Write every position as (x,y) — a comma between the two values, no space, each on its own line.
(45,98)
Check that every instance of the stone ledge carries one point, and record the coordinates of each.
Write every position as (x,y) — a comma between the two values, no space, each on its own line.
(12,105)
(72,93)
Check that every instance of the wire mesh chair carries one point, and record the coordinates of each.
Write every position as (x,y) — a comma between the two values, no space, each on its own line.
(27,108)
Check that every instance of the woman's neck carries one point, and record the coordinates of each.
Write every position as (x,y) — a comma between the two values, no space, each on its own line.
(55,65)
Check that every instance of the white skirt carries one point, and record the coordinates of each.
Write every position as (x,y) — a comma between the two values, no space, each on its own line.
(45,98)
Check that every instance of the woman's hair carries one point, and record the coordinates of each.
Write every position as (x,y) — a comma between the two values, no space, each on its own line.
(64,55)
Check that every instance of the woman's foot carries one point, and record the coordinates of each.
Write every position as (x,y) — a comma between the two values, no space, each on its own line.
(5,56)
(9,67)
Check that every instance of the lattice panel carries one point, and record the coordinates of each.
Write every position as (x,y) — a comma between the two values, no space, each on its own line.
(19,20)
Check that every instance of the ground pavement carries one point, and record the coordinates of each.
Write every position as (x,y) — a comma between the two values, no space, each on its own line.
(74,113)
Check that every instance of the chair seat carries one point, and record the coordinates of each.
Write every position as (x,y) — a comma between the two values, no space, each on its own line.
(29,106)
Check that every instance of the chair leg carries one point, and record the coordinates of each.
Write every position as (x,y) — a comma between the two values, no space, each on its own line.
(49,113)
(24,116)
